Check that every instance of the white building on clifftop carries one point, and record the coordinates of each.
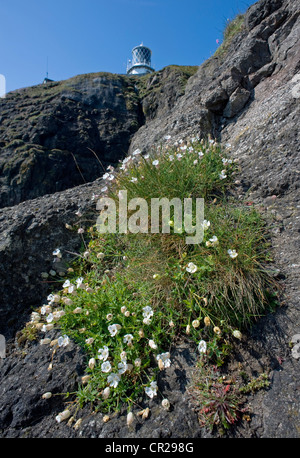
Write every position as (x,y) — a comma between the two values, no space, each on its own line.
(140,62)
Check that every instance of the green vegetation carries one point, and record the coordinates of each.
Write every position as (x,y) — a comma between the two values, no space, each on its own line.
(130,296)
(232,28)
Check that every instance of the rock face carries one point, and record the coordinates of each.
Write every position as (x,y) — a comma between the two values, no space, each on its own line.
(248,97)
(59,135)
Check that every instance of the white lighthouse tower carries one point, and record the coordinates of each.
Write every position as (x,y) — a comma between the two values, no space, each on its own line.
(141,61)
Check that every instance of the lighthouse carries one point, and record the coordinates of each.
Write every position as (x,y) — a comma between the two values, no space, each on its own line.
(140,62)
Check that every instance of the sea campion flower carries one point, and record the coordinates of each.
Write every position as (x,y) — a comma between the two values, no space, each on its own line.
(191,268)
(106,367)
(133,180)
(151,390)
(205,224)
(156,162)
(103,353)
(165,359)
(113,329)
(232,253)
(147,312)
(113,380)
(57,253)
(152,344)
(128,339)
(122,366)
(237,334)
(63,341)
(222,175)
(213,241)
(202,346)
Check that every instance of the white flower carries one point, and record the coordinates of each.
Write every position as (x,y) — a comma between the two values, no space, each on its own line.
(80,230)
(103,353)
(123,309)
(113,329)
(133,180)
(237,334)
(123,356)
(66,284)
(105,176)
(63,341)
(50,318)
(179,156)
(156,162)
(152,344)
(232,253)
(222,175)
(79,282)
(109,316)
(165,359)
(147,312)
(122,366)
(113,380)
(146,156)
(195,162)
(104,189)
(167,137)
(202,346)
(128,339)
(213,241)
(46,309)
(57,253)
(171,158)
(205,224)
(151,390)
(106,366)
(136,152)
(191,268)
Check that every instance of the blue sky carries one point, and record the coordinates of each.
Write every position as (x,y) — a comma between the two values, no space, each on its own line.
(84,36)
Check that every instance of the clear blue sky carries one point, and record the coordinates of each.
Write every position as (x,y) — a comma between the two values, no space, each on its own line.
(84,36)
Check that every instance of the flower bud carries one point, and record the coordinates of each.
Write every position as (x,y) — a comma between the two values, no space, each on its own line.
(165,404)
(106,393)
(92,363)
(130,419)
(207,321)
(63,416)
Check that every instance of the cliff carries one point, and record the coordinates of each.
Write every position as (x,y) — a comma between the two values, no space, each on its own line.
(247,95)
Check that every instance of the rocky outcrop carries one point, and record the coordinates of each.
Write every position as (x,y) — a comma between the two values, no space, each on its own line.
(63,134)
(247,97)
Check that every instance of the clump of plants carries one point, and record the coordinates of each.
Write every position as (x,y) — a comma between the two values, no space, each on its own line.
(131,294)
(232,28)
